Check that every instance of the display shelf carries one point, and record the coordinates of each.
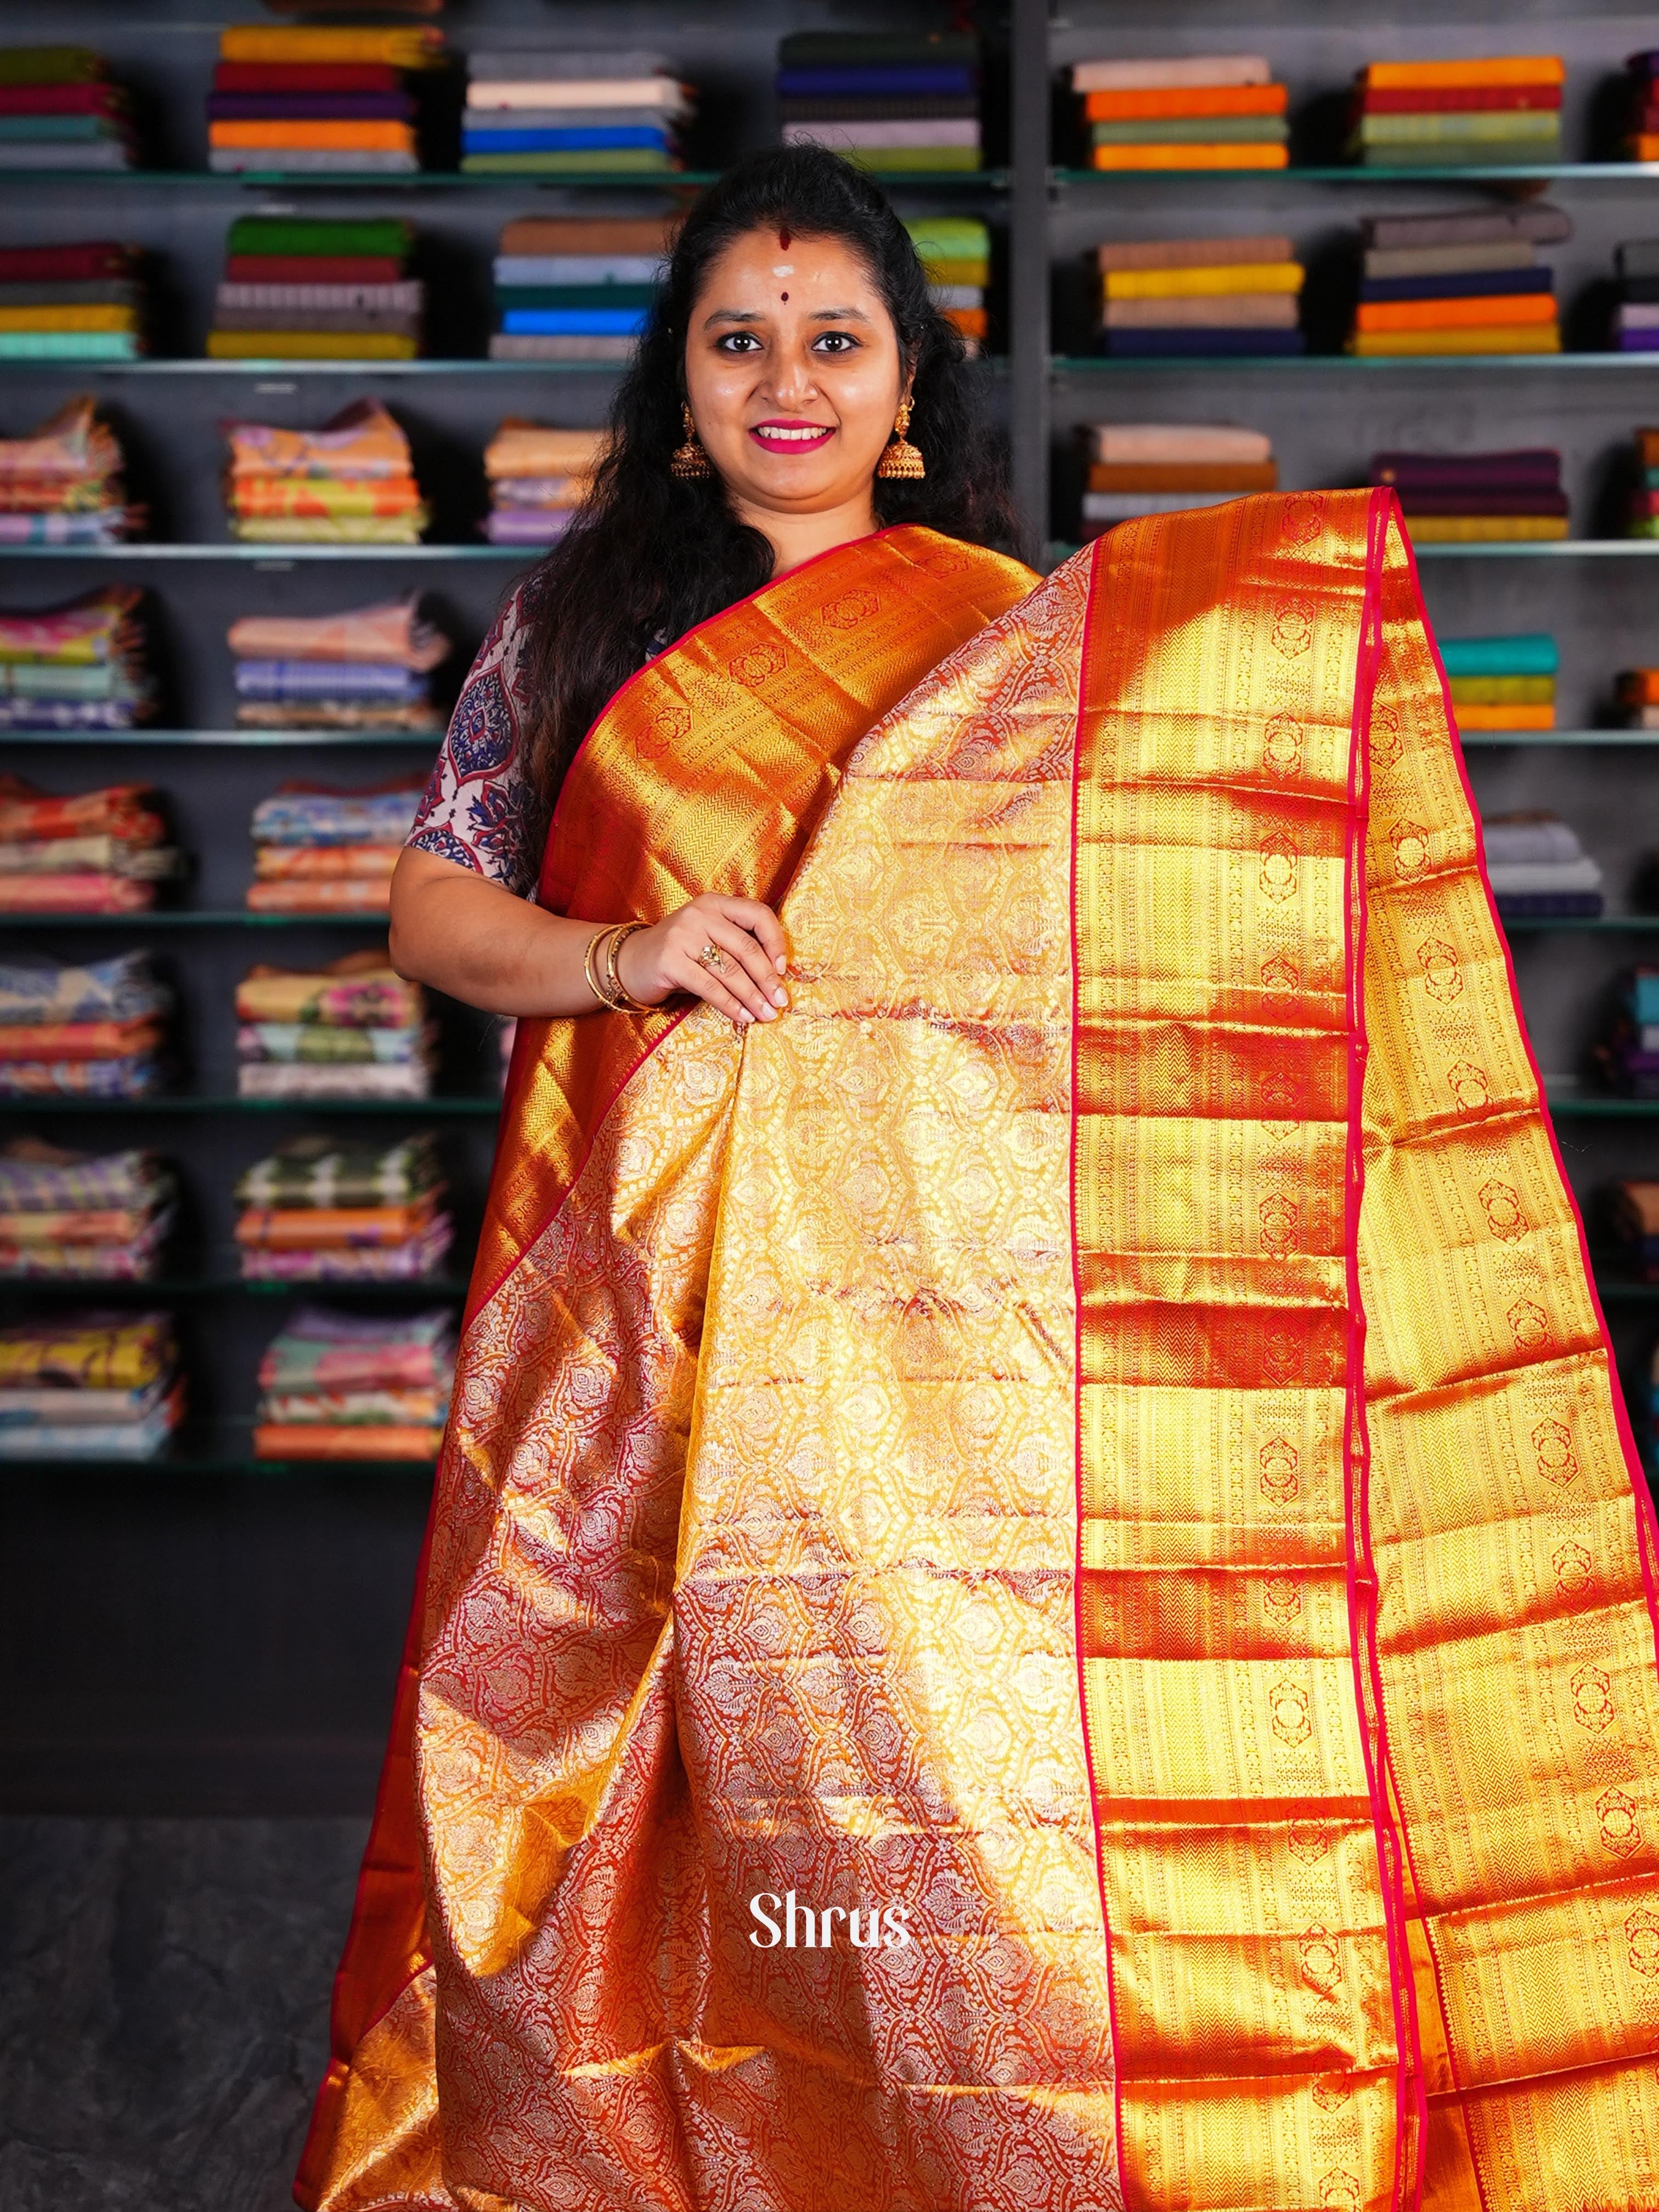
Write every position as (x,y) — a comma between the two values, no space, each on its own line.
(1474,740)
(467,1108)
(232,917)
(421,741)
(430,180)
(279,365)
(1604,925)
(215,1448)
(1353,173)
(1060,549)
(144,550)
(1568,1100)
(229,1283)
(1293,364)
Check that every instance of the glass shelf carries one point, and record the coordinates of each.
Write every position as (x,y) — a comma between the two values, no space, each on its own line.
(176,1102)
(217,1448)
(1057,549)
(234,551)
(228,1281)
(201,917)
(1216,364)
(1567,1102)
(422,741)
(1606,925)
(1353,173)
(426,180)
(274,365)
(1475,740)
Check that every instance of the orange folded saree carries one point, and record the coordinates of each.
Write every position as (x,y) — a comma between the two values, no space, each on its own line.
(1038,1598)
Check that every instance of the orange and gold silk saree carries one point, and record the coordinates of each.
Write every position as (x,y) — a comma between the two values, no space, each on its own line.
(1075,1479)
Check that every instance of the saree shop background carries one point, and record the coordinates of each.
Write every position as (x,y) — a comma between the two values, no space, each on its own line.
(199,1646)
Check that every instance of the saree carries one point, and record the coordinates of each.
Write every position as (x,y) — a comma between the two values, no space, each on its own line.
(1038,1594)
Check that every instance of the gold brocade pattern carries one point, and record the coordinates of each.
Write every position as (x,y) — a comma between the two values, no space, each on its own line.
(1093,1429)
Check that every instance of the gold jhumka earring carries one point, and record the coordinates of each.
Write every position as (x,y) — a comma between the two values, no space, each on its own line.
(689,459)
(900,458)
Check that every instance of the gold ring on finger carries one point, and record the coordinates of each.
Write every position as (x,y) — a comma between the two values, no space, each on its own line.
(712,958)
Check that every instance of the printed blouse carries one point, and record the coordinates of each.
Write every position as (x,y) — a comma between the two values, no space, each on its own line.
(480,807)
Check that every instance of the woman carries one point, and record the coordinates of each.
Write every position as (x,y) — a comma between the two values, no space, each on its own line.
(1037,1596)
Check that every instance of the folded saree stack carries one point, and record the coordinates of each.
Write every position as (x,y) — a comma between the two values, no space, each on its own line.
(1538,869)
(89,1386)
(320,99)
(317,1210)
(62,484)
(1459,284)
(352,1029)
(1643,516)
(352,481)
(91,1030)
(66,1215)
(344,1386)
(80,666)
(576,288)
(1504,110)
(954,252)
(1502,682)
(1629,1054)
(535,110)
(90,852)
(537,479)
(1477,498)
(1639,141)
(1638,696)
(318,850)
(60,110)
(1183,112)
(79,301)
(888,101)
(1199,295)
(1635,327)
(367,668)
(311,290)
(1159,468)
(1633,1218)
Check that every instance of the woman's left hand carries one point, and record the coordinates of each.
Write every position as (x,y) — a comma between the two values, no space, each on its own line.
(728,952)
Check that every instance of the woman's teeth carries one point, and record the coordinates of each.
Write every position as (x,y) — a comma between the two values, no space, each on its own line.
(776,434)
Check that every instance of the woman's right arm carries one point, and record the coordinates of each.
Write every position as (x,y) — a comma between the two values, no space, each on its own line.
(479,942)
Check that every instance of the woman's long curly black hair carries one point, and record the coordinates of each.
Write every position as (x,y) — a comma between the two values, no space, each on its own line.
(650,554)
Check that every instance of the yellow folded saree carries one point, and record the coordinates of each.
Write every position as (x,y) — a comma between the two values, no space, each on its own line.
(1038,1598)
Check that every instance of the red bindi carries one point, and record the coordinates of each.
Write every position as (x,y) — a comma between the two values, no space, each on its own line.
(783,296)
(783,239)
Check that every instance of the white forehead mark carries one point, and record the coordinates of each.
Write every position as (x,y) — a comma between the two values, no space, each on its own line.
(784,268)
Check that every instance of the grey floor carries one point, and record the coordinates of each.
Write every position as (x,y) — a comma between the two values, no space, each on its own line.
(163,2007)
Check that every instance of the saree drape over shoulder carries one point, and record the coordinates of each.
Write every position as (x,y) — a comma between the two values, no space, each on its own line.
(1091,1437)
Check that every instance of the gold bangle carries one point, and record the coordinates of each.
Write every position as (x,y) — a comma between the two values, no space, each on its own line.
(593,983)
(618,994)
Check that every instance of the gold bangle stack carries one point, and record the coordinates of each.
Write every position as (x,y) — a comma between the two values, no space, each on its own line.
(603,979)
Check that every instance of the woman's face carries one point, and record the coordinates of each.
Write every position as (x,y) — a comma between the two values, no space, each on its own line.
(793,373)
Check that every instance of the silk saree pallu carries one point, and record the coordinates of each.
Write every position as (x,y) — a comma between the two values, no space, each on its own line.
(1036,1596)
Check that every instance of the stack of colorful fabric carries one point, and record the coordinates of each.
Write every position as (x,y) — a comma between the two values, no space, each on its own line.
(1633,1218)
(1480,113)
(1160,468)
(954,251)
(353,1030)
(1644,497)
(1638,696)
(89,1386)
(1459,284)
(537,479)
(1639,140)
(321,851)
(320,1211)
(1199,295)
(80,666)
(342,1385)
(62,485)
(1628,1056)
(546,112)
(1538,870)
(1636,315)
(1187,111)
(94,852)
(59,110)
(76,303)
(352,481)
(319,100)
(93,1031)
(315,290)
(71,1216)
(1502,682)
(369,668)
(889,102)
(1461,499)
(576,288)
